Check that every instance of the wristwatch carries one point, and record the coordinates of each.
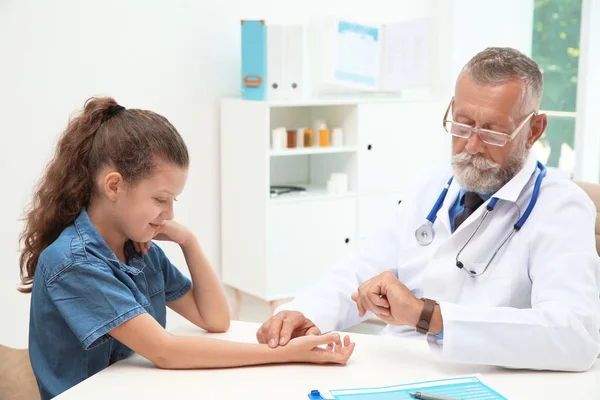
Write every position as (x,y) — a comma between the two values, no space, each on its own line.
(426,314)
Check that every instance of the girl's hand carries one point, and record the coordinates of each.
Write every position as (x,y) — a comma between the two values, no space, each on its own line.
(169,231)
(174,232)
(306,349)
(142,247)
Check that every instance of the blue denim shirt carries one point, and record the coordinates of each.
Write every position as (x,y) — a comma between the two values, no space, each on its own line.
(81,291)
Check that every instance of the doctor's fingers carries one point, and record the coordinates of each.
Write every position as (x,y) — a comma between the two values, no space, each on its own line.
(259,333)
(361,309)
(313,331)
(369,305)
(290,324)
(379,300)
(271,331)
(260,336)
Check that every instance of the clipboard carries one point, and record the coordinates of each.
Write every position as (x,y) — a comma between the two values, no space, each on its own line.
(465,388)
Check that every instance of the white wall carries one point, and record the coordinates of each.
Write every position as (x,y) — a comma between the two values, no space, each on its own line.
(469,26)
(174,57)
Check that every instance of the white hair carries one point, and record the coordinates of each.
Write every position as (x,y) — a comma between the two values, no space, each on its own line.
(497,65)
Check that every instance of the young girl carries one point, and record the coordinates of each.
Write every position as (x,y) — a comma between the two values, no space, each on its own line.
(99,285)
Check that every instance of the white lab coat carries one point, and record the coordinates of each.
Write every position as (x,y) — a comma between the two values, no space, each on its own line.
(536,307)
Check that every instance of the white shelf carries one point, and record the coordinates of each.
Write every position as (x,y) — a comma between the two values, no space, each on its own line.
(331,101)
(340,100)
(330,226)
(313,150)
(312,193)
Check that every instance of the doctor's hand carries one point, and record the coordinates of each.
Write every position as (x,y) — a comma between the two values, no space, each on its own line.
(283,326)
(389,300)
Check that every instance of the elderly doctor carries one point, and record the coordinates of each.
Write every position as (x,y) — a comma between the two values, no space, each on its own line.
(494,261)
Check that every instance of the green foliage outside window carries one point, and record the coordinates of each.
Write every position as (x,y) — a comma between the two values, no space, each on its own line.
(556,31)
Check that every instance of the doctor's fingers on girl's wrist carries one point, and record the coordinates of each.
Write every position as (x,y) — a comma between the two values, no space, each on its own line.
(273,331)
(290,324)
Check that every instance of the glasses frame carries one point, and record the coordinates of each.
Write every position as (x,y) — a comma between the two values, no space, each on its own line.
(507,136)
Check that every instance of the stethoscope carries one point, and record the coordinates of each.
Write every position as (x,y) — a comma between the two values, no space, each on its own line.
(425,233)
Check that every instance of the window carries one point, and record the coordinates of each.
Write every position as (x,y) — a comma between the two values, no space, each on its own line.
(556,31)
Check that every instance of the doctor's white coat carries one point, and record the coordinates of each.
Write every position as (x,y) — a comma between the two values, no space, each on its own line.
(538,304)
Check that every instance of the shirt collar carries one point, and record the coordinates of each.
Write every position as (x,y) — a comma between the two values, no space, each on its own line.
(514,187)
(96,242)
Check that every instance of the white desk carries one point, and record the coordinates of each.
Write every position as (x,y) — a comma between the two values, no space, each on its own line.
(376,361)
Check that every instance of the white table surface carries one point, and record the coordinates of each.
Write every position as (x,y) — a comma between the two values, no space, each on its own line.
(377,361)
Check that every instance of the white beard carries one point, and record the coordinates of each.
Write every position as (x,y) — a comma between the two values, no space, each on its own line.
(476,173)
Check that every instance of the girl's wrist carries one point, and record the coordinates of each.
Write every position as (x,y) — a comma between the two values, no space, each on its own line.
(188,241)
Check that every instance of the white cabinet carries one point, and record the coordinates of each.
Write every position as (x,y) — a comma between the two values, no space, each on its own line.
(306,240)
(374,211)
(396,140)
(275,247)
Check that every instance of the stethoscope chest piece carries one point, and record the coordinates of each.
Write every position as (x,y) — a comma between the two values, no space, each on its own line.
(425,234)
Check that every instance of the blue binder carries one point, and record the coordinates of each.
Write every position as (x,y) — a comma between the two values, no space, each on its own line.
(254,60)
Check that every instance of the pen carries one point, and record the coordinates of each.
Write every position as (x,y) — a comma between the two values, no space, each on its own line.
(425,396)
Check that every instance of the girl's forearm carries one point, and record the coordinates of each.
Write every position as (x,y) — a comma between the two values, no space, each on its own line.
(207,288)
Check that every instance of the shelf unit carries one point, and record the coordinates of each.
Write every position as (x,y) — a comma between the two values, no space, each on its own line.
(313,150)
(274,247)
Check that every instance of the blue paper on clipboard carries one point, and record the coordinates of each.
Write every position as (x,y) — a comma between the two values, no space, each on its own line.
(464,388)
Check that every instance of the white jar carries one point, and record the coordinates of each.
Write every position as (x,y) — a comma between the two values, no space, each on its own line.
(300,138)
(278,138)
(341,182)
(337,137)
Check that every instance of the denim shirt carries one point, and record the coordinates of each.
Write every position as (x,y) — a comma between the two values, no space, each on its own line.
(81,291)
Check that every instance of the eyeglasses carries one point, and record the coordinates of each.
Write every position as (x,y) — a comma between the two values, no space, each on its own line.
(488,136)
